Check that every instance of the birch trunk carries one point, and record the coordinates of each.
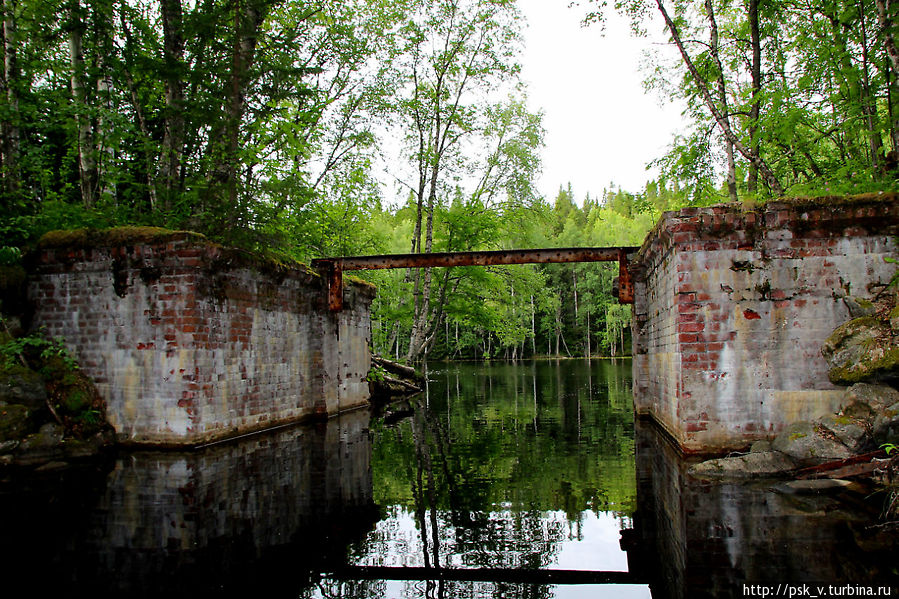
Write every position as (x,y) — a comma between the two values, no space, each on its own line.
(173,121)
(702,86)
(884,16)
(9,128)
(87,163)
(722,98)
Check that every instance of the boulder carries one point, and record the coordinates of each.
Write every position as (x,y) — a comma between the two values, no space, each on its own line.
(876,397)
(760,446)
(885,426)
(859,307)
(20,385)
(810,442)
(15,422)
(751,465)
(42,446)
(862,349)
(49,435)
(894,318)
(854,433)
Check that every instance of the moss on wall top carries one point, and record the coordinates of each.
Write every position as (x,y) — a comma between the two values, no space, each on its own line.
(92,238)
(222,258)
(825,201)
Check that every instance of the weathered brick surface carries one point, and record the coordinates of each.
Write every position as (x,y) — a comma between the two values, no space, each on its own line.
(190,342)
(733,305)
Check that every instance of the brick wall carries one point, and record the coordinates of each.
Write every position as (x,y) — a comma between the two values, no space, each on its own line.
(190,342)
(733,304)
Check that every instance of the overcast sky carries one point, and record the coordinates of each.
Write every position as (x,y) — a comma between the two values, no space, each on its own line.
(601,127)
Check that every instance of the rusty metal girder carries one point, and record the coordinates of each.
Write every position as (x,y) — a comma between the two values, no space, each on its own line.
(332,268)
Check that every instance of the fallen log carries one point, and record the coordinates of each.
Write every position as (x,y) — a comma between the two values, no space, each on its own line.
(396,368)
(405,384)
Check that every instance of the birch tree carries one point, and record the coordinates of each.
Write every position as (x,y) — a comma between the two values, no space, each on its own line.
(454,52)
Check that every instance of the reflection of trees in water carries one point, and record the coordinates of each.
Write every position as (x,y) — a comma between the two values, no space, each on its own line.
(440,589)
(496,468)
(477,535)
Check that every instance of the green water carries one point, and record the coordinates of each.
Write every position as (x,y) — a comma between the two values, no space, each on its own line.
(504,467)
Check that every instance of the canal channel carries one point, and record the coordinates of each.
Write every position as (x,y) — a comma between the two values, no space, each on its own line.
(526,479)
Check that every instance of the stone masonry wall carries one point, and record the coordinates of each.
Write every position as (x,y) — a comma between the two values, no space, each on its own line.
(732,307)
(190,342)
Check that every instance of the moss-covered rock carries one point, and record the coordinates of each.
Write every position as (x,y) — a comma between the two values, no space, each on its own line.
(862,349)
(854,433)
(23,386)
(758,464)
(885,425)
(15,422)
(874,397)
(810,442)
(894,319)
(42,446)
(859,307)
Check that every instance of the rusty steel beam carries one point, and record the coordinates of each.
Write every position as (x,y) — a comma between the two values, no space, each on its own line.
(485,258)
(332,268)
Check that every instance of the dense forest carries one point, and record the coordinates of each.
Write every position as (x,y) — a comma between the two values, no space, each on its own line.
(287,127)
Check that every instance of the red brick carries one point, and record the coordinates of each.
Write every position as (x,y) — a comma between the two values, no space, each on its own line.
(690,327)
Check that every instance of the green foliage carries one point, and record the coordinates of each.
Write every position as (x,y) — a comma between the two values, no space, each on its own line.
(376,374)
(889,448)
(517,311)
(35,348)
(807,90)
(72,397)
(9,256)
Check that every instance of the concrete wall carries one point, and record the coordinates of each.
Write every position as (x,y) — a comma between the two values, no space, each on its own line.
(732,307)
(189,342)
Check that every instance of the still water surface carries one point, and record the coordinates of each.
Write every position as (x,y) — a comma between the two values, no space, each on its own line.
(511,472)
(506,467)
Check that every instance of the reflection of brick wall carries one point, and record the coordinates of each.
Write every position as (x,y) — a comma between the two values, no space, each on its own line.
(698,539)
(733,305)
(190,342)
(216,519)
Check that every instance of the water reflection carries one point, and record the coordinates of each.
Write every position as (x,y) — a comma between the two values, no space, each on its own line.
(506,472)
(504,469)
(702,539)
(264,514)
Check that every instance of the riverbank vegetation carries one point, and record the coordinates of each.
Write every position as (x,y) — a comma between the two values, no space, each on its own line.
(312,128)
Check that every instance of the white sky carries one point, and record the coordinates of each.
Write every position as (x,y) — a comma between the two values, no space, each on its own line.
(601,127)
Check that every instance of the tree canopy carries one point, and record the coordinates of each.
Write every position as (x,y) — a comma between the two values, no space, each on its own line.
(279,125)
